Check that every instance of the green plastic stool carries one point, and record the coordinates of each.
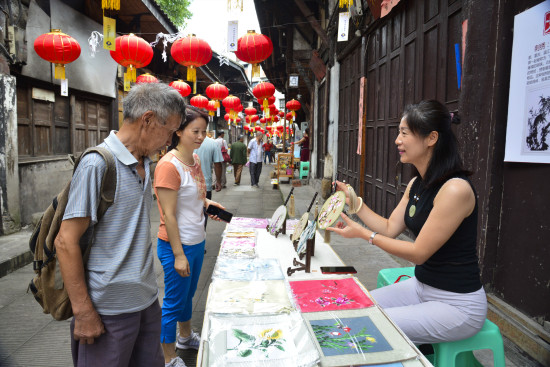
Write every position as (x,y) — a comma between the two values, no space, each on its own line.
(393,275)
(304,170)
(459,353)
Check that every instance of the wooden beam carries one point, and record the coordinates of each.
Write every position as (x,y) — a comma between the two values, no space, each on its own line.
(313,21)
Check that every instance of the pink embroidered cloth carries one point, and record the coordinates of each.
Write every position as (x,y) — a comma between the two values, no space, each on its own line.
(329,295)
(249,222)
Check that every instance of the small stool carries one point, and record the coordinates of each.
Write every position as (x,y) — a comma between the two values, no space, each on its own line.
(393,275)
(304,170)
(459,353)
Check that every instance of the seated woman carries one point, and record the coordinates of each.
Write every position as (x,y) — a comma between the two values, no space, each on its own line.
(445,301)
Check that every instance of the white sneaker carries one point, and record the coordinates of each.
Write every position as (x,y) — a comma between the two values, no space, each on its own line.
(175,362)
(193,341)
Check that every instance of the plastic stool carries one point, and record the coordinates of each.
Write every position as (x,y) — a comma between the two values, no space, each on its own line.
(304,170)
(459,353)
(393,275)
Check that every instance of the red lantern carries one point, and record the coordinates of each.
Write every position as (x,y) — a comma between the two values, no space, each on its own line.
(231,103)
(217,92)
(280,128)
(191,52)
(258,128)
(254,48)
(250,111)
(226,117)
(199,101)
(211,108)
(288,116)
(263,120)
(57,48)
(132,52)
(293,105)
(281,114)
(181,87)
(246,128)
(263,91)
(146,78)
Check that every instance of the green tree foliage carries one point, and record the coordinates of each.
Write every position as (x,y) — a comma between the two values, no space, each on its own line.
(176,10)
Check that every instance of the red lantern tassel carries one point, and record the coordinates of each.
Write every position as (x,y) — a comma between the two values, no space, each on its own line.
(59,71)
(266,104)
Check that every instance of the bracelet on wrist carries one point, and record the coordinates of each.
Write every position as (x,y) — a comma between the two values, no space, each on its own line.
(371,238)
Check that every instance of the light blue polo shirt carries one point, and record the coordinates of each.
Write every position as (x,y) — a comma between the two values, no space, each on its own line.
(120,273)
(209,153)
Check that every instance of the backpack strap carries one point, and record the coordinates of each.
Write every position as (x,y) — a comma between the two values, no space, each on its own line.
(108,182)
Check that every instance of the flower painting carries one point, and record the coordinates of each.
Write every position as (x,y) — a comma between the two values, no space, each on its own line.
(354,335)
(257,343)
(329,295)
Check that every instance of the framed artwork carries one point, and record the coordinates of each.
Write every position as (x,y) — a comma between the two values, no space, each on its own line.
(358,337)
(275,340)
(307,234)
(329,295)
(249,222)
(247,269)
(331,209)
(299,228)
(249,297)
(277,220)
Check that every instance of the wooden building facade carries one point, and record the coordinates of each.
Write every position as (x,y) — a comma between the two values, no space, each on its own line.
(406,56)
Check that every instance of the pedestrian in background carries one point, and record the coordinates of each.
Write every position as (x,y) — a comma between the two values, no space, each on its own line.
(238,158)
(268,149)
(224,148)
(211,158)
(181,191)
(255,152)
(115,296)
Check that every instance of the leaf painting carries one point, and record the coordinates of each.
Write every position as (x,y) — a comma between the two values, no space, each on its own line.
(354,335)
(256,343)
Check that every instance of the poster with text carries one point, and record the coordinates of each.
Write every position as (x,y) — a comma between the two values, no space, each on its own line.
(528,129)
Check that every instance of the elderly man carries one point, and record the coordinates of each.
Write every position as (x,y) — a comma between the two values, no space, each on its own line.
(238,158)
(255,151)
(114,298)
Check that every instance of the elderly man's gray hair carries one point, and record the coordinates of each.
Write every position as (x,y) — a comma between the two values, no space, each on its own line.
(160,98)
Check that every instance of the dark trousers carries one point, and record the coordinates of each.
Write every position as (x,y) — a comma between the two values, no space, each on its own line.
(255,171)
(131,339)
(268,158)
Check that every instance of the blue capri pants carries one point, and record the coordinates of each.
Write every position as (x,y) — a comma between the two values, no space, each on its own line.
(177,304)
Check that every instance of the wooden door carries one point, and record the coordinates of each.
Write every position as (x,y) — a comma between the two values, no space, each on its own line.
(348,167)
(410,57)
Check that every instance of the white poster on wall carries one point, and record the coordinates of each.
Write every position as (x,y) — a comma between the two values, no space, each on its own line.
(528,129)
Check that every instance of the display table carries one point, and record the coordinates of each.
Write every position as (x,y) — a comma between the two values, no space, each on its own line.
(402,352)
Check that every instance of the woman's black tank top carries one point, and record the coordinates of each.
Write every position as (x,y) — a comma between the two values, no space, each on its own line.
(454,267)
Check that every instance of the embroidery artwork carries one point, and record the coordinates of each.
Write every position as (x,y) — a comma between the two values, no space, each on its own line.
(239,247)
(240,234)
(353,335)
(268,341)
(299,228)
(331,210)
(247,269)
(329,295)
(256,343)
(307,234)
(277,220)
(249,222)
(229,296)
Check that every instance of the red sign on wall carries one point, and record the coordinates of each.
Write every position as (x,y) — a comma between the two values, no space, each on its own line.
(547,23)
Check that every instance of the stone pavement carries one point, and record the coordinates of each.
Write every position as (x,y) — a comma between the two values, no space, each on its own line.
(30,338)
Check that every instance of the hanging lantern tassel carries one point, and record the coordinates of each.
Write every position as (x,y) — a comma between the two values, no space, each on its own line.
(266,105)
(291,207)
(343,3)
(293,115)
(255,70)
(59,71)
(192,77)
(131,73)
(113,4)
